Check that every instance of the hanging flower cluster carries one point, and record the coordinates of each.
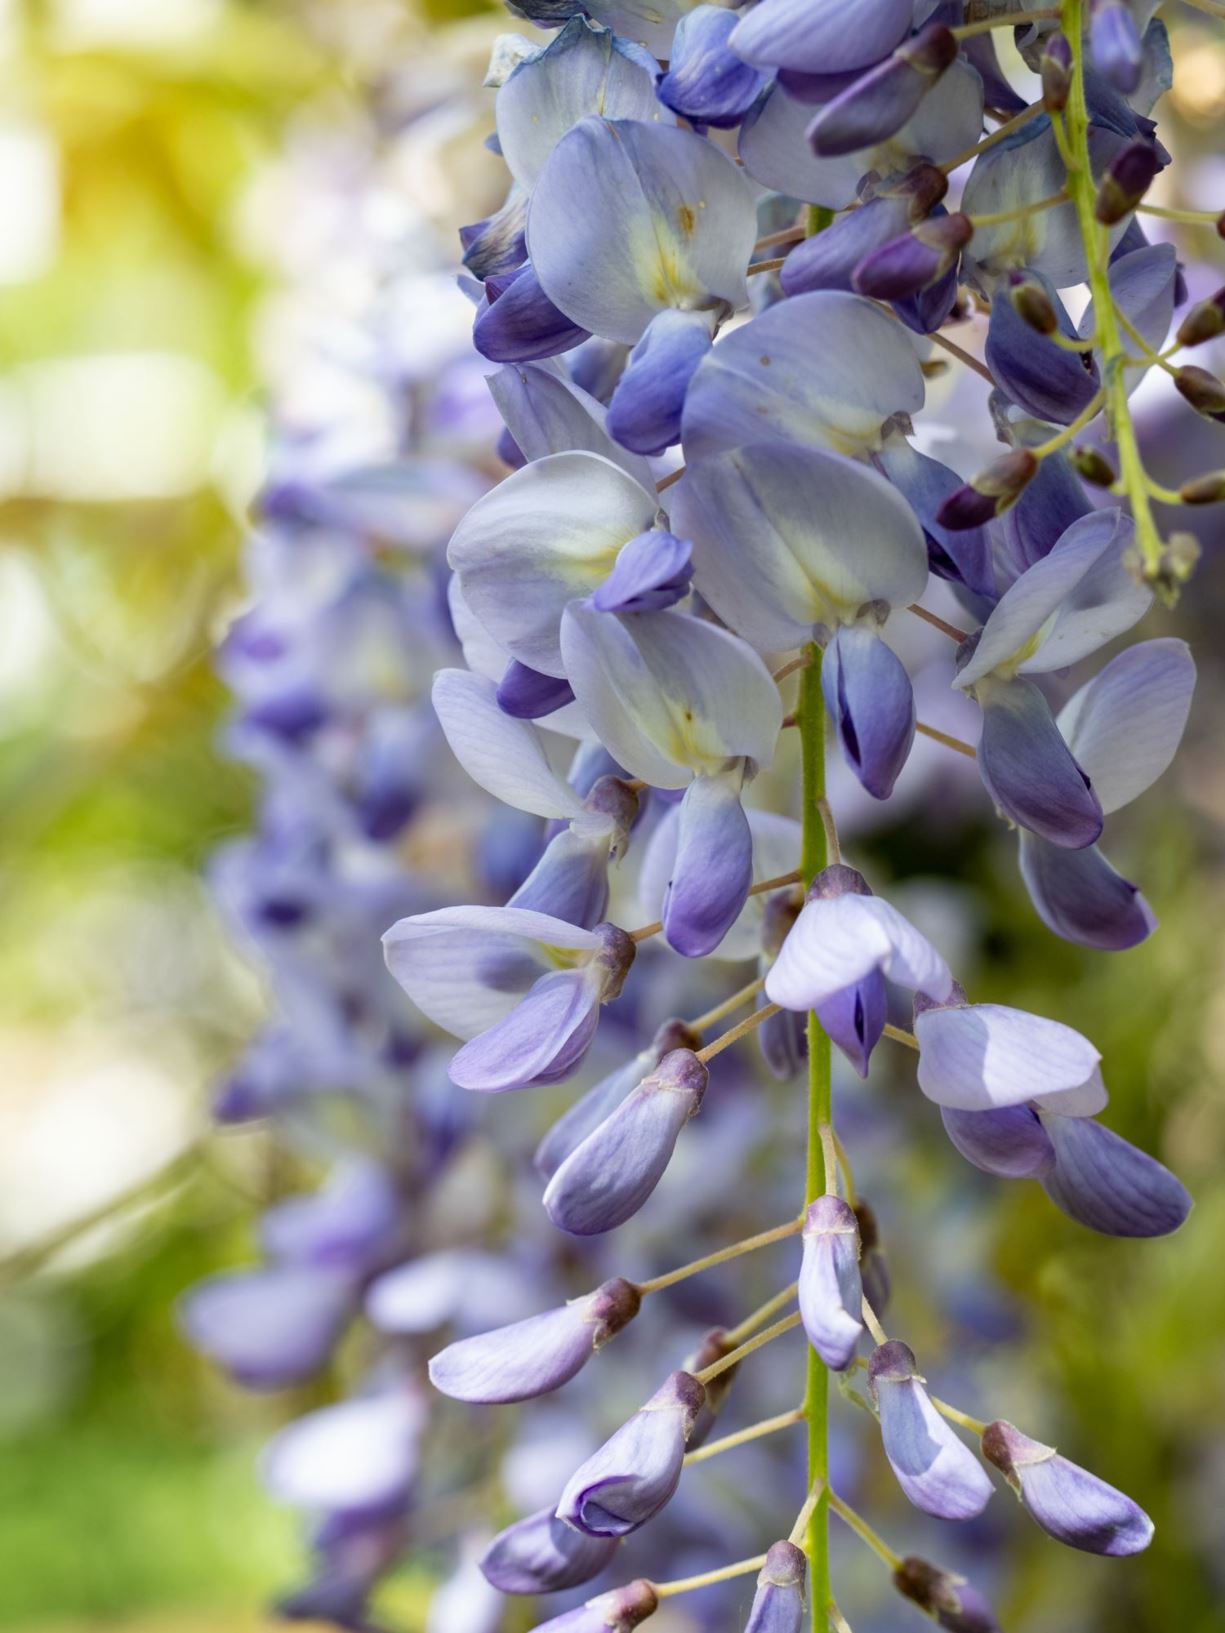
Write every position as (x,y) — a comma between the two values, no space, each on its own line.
(648,654)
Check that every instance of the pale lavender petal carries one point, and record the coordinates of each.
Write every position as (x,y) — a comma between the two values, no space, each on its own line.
(840,941)
(812,35)
(981,1057)
(871,702)
(636,1472)
(532,1357)
(1028,769)
(504,755)
(358,1455)
(542,1040)
(937,1471)
(610,1174)
(1068,1502)
(830,1288)
(268,1328)
(778,1604)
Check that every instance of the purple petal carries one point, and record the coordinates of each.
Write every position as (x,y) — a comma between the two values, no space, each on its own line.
(1039,376)
(542,1040)
(1104,1182)
(268,1328)
(949,1600)
(521,322)
(1049,504)
(812,35)
(540,1554)
(963,554)
(1079,896)
(1068,1502)
(937,1471)
(830,1289)
(617,1612)
(1115,42)
(608,1177)
(1010,1142)
(497,245)
(713,868)
(855,1019)
(651,572)
(869,696)
(644,412)
(1028,769)
(570,881)
(355,1457)
(778,1604)
(881,101)
(838,942)
(531,1357)
(706,82)
(635,1473)
(526,694)
(827,259)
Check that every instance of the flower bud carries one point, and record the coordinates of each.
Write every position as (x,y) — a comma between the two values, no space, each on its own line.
(636,1472)
(1208,489)
(611,1173)
(1205,321)
(1093,466)
(949,1600)
(714,1347)
(881,100)
(617,1612)
(873,1266)
(1129,177)
(1202,390)
(778,1604)
(937,1471)
(540,1554)
(531,1357)
(1055,66)
(1068,1502)
(915,260)
(1032,303)
(989,493)
(830,1288)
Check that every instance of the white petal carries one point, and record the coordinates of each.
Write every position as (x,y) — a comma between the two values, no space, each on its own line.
(980,1057)
(505,756)
(548,533)
(356,1455)
(669,694)
(837,942)
(1124,726)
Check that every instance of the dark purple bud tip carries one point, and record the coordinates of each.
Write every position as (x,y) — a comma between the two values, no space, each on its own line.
(617,1612)
(1130,176)
(1205,321)
(830,1287)
(893,1362)
(931,51)
(1032,303)
(1208,489)
(837,880)
(1068,1502)
(1202,390)
(918,258)
(990,493)
(613,960)
(949,1600)
(1093,466)
(778,1604)
(923,187)
(1055,67)
(614,798)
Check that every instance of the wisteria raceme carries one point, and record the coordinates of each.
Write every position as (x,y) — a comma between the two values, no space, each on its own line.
(590,639)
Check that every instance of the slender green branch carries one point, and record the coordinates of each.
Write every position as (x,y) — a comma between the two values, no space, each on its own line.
(750,1244)
(772,1306)
(864,1531)
(1095,238)
(688,1584)
(814,855)
(755,1431)
(734,1357)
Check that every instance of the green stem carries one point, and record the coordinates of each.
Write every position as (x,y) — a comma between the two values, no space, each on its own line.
(1083,190)
(814,855)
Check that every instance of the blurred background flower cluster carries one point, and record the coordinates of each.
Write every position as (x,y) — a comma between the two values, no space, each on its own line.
(160,253)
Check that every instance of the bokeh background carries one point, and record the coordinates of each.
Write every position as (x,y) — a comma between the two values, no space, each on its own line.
(145,245)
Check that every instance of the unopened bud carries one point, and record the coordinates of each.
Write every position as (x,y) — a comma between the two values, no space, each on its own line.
(1130,176)
(1204,321)
(1179,557)
(1202,390)
(1032,303)
(1055,67)
(949,1600)
(1208,489)
(923,187)
(1093,466)
(915,260)
(991,492)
